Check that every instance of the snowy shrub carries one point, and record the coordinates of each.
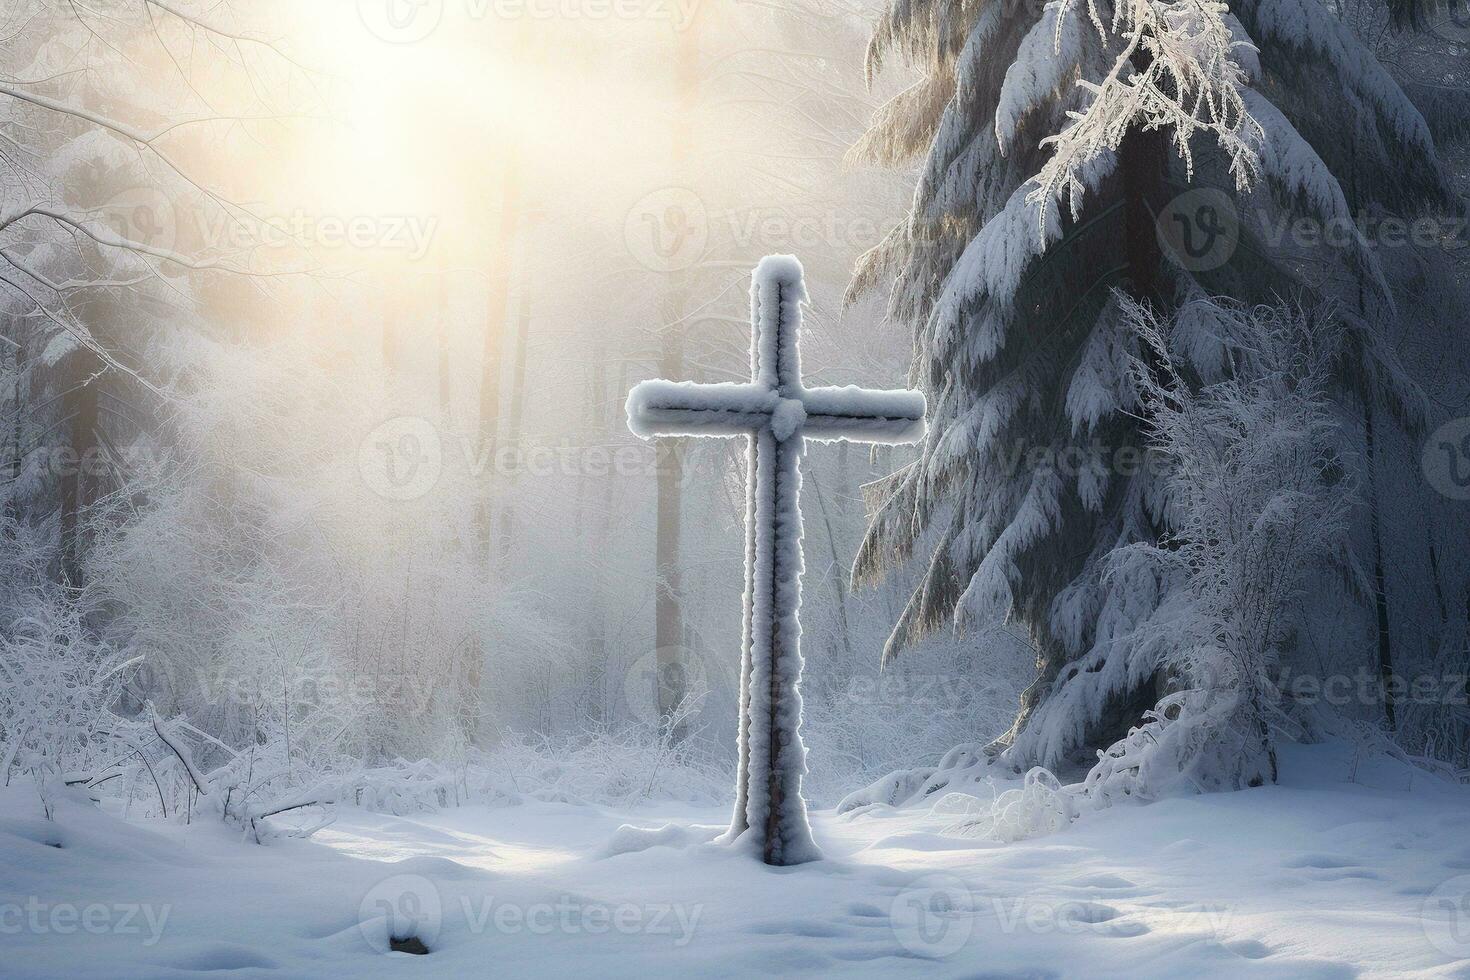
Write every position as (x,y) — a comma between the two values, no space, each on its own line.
(1437,728)
(270,618)
(243,790)
(405,786)
(892,789)
(62,723)
(1157,758)
(57,689)
(1257,508)
(968,769)
(611,767)
(1040,806)
(861,722)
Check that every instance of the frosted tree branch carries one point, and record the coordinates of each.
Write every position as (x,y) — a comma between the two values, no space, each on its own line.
(1177,71)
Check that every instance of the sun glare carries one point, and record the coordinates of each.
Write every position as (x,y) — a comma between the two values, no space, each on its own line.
(431,128)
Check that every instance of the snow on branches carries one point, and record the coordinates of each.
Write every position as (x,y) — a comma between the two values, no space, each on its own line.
(1180,69)
(1258,507)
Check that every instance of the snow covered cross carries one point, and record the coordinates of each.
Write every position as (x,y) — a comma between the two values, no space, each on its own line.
(777,414)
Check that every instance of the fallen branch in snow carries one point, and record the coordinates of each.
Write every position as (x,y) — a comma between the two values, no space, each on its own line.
(201,782)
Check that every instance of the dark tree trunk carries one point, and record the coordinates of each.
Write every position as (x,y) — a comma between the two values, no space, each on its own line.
(1141,166)
(1380,583)
(1142,170)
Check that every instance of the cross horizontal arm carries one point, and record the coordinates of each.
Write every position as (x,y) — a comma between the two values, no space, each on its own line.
(686,408)
(863,415)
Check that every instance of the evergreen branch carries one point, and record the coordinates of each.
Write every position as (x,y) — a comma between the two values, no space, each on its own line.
(1177,71)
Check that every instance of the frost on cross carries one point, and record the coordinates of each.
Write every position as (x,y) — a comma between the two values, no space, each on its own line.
(776,414)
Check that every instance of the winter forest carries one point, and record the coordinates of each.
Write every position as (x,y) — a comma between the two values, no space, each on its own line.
(667,488)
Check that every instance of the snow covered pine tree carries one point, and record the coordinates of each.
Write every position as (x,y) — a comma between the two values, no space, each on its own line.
(1024,485)
(777,414)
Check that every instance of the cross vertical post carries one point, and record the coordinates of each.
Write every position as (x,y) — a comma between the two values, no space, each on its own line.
(776,414)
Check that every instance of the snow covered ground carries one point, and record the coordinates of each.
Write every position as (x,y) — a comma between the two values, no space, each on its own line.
(1318,877)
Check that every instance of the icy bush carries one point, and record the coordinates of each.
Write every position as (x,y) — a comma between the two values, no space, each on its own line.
(611,767)
(1040,806)
(861,722)
(57,688)
(1257,508)
(1257,512)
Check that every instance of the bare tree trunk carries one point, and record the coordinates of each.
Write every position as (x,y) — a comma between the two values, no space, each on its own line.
(838,575)
(79,405)
(517,407)
(17,435)
(496,307)
(668,616)
(445,325)
(596,606)
(393,305)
